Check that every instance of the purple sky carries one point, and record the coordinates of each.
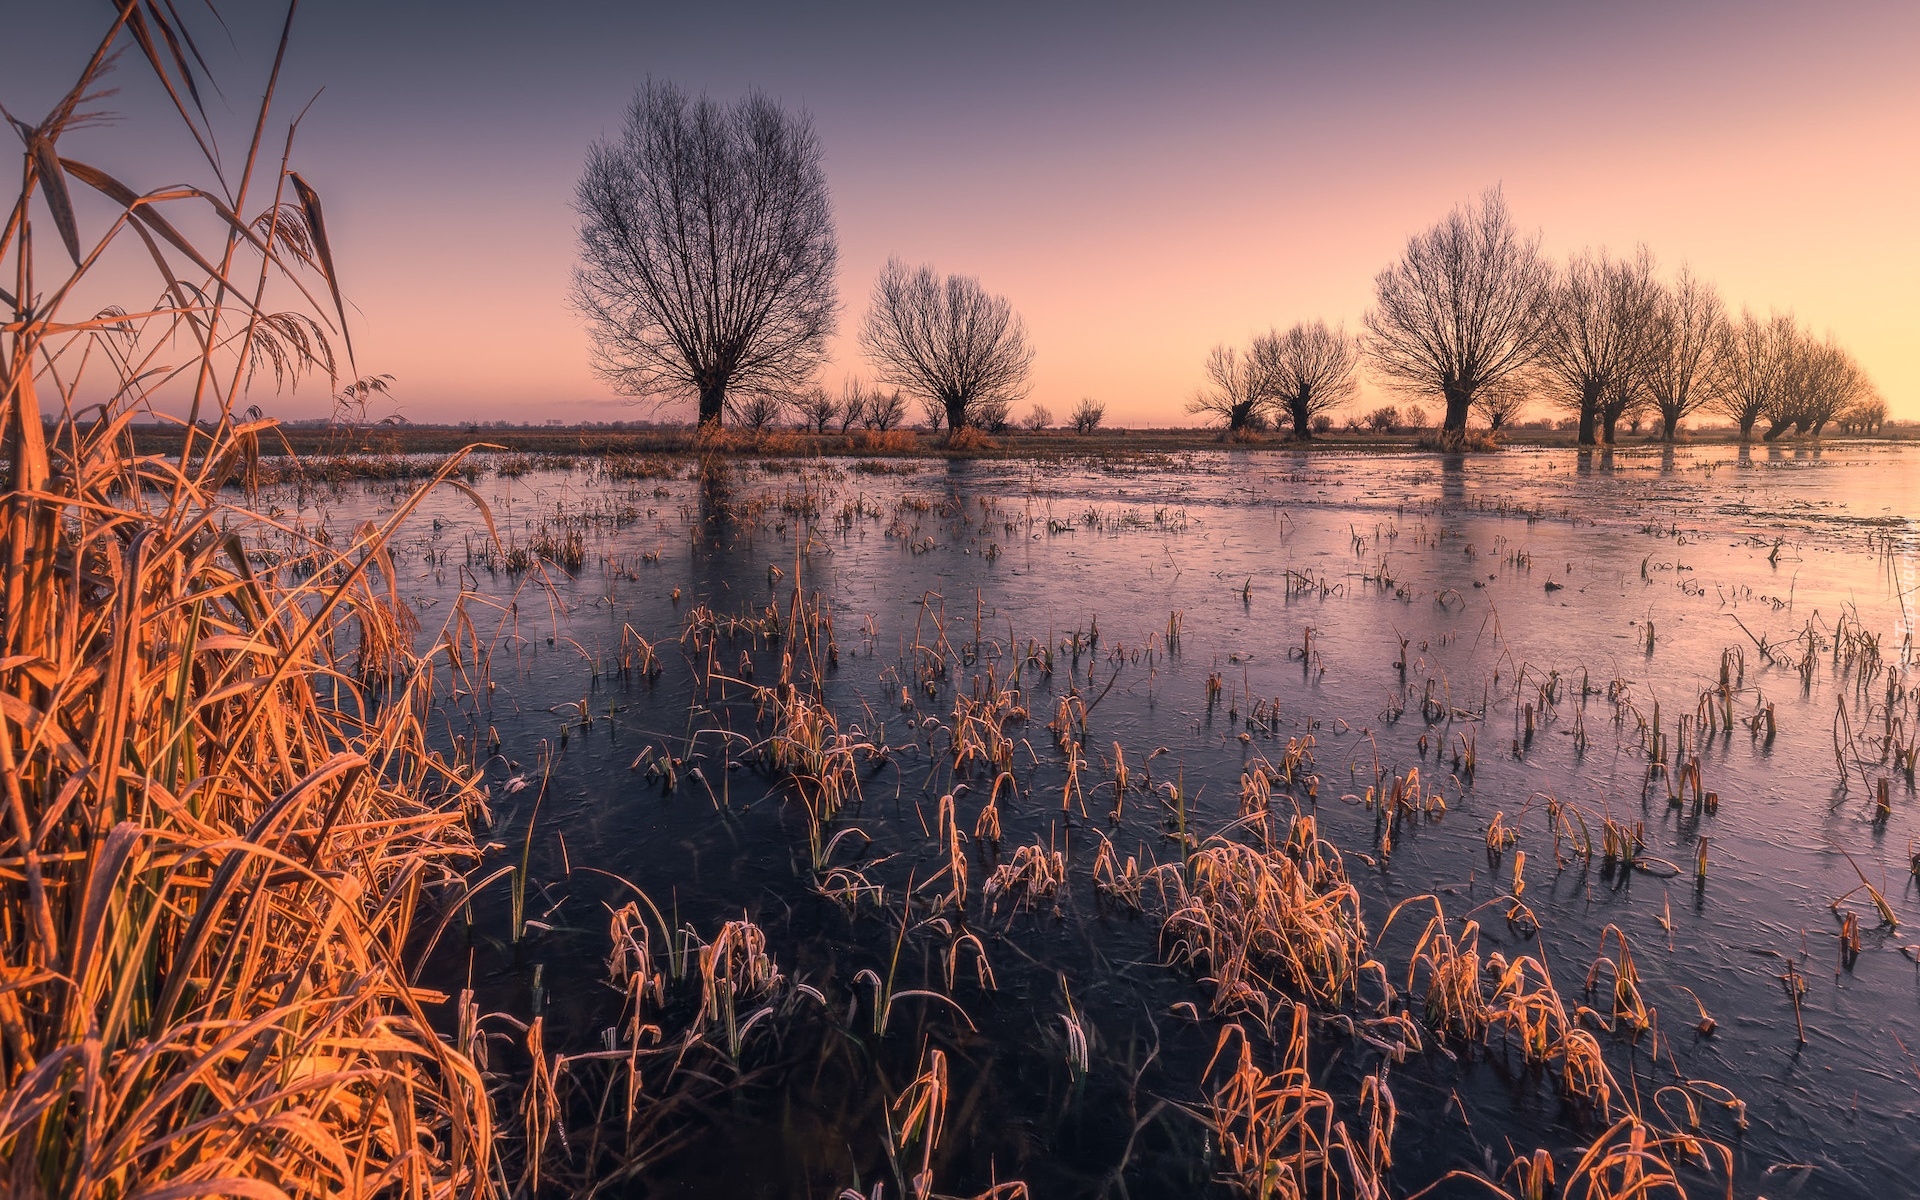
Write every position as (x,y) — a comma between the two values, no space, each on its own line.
(1141,182)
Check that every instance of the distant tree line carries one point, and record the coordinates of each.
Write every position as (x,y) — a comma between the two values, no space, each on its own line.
(707,271)
(1475,315)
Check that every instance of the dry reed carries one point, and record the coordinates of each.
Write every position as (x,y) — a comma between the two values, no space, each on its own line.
(223,809)
(1255,921)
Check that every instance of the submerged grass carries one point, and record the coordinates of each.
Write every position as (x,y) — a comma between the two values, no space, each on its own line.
(1255,921)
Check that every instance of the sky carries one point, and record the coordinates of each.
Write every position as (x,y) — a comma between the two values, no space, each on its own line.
(1140,181)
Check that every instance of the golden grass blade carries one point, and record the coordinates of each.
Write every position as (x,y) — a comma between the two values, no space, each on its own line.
(53,189)
(317,226)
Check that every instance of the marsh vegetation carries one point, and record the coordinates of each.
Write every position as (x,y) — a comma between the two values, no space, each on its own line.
(728,821)
(1500,819)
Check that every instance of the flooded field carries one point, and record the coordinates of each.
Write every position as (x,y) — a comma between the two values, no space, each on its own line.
(927,826)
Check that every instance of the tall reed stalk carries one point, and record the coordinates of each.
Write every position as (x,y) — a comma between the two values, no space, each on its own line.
(221,811)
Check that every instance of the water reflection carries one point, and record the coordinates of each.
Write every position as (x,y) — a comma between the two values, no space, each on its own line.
(1516,570)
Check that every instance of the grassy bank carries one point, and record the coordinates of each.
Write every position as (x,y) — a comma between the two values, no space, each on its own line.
(319,443)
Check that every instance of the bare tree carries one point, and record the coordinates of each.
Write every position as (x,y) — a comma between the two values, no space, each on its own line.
(816,409)
(947,340)
(1502,401)
(852,404)
(1037,418)
(885,410)
(1600,319)
(1464,307)
(1798,375)
(1625,399)
(707,249)
(757,410)
(1087,415)
(1242,391)
(1752,363)
(994,416)
(1866,414)
(1383,419)
(1310,369)
(1817,382)
(1687,338)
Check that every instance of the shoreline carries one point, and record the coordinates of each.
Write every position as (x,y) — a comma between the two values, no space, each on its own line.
(401,441)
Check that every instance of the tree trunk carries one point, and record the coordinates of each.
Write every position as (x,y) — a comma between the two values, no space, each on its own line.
(1669,426)
(1589,409)
(1458,401)
(713,403)
(1746,429)
(956,414)
(1775,430)
(1302,423)
(1609,422)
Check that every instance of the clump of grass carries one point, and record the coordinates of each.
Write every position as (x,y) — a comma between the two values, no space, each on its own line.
(1496,1001)
(1278,1133)
(594,1119)
(1458,441)
(1632,1160)
(637,466)
(1032,876)
(979,727)
(734,967)
(1628,1006)
(1112,880)
(1255,921)
(879,466)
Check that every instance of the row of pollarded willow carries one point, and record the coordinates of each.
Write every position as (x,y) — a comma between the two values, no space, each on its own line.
(1474,312)
(707,270)
(222,806)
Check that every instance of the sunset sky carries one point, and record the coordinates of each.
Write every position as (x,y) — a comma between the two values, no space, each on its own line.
(1140,181)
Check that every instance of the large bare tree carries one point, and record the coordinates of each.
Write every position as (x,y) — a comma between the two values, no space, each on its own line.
(707,249)
(1464,307)
(1688,335)
(1600,319)
(1242,391)
(1752,366)
(1625,398)
(1310,369)
(958,347)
